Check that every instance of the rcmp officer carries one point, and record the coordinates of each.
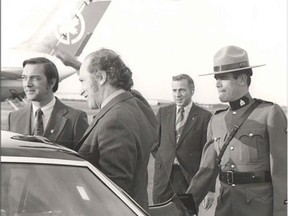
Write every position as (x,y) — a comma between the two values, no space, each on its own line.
(253,168)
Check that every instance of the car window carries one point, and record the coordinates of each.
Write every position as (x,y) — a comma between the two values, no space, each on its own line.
(32,189)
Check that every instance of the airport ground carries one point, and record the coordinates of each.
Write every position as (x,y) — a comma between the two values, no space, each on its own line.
(6,108)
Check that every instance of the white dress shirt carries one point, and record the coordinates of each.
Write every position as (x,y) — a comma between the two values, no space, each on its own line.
(186,110)
(47,110)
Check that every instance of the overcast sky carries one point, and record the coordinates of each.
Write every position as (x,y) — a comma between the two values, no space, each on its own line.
(161,38)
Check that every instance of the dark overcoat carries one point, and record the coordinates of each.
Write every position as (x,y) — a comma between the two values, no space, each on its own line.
(118,142)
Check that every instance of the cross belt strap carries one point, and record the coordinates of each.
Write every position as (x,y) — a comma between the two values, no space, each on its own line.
(236,127)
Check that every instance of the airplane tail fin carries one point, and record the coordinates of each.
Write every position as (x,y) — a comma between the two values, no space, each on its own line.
(87,17)
(68,30)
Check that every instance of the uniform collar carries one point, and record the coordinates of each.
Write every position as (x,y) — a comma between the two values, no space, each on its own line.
(241,102)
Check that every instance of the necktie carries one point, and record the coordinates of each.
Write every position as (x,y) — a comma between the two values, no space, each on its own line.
(179,122)
(39,128)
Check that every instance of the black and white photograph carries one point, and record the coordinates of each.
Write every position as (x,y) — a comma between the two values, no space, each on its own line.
(144,107)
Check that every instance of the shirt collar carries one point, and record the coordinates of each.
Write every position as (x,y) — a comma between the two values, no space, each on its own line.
(110,97)
(186,108)
(47,109)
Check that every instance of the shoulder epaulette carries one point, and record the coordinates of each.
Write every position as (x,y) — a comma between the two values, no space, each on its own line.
(263,101)
(221,110)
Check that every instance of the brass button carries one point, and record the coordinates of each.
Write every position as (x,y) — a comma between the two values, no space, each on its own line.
(251,134)
(231,148)
(232,166)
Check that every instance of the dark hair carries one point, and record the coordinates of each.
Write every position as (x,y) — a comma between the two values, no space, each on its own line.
(248,73)
(185,77)
(50,69)
(119,75)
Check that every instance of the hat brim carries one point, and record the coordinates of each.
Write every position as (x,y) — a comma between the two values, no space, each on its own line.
(233,70)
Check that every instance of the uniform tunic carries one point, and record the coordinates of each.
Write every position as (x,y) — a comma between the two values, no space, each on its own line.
(259,145)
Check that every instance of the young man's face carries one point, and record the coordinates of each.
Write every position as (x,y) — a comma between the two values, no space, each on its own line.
(229,88)
(35,83)
(90,86)
(182,94)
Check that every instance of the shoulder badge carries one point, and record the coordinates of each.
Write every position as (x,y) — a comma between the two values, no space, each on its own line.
(219,111)
(263,101)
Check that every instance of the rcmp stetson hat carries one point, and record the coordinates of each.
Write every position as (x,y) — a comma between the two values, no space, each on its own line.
(230,59)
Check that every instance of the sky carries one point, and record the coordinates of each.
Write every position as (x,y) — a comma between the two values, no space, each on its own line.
(158,39)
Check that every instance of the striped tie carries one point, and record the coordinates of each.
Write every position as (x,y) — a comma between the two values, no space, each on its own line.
(39,128)
(179,122)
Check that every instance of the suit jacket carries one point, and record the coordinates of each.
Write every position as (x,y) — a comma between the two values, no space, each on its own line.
(118,142)
(260,144)
(189,147)
(66,125)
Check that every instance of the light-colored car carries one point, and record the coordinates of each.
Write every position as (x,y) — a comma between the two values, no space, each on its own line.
(42,178)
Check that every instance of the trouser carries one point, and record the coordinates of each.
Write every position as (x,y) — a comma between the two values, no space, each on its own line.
(245,200)
(178,184)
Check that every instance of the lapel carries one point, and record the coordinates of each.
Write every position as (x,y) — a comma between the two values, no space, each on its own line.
(191,119)
(119,98)
(57,121)
(171,121)
(25,117)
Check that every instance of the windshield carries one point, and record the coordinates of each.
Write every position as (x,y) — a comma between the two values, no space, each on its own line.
(31,189)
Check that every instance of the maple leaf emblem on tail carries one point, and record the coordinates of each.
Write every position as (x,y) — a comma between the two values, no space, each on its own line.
(70,31)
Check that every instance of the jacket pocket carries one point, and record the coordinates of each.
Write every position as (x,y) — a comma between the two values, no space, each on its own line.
(253,144)
(260,192)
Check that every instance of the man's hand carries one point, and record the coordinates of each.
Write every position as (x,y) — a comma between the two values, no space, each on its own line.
(208,200)
(67,59)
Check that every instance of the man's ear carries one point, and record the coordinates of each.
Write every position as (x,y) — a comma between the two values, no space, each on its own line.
(52,83)
(242,79)
(102,77)
(192,92)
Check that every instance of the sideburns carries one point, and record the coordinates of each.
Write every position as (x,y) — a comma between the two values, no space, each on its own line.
(94,84)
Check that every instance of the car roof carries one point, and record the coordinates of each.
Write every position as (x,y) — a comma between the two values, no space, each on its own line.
(19,148)
(18,145)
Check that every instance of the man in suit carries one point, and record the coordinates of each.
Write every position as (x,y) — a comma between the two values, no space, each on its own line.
(60,123)
(253,168)
(178,149)
(119,139)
